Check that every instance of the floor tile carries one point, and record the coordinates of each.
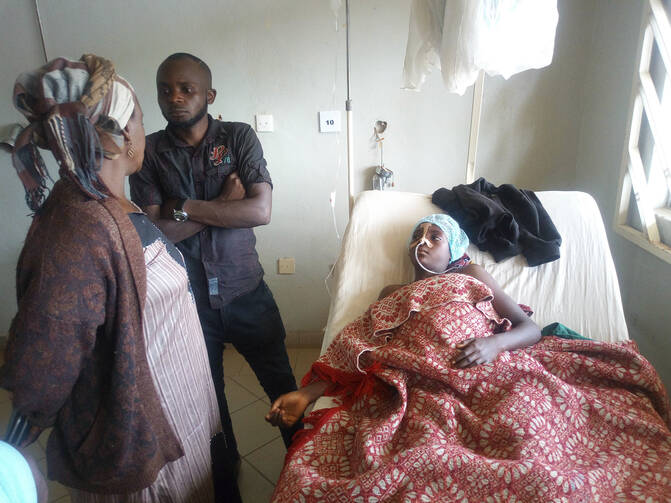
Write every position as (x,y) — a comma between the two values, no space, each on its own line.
(237,396)
(5,413)
(305,357)
(56,490)
(36,451)
(233,361)
(245,369)
(253,486)
(250,383)
(291,353)
(251,429)
(4,395)
(236,367)
(44,436)
(269,459)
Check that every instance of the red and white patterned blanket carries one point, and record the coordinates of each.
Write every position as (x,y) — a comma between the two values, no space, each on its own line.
(564,420)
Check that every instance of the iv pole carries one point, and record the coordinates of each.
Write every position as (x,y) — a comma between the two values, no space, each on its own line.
(476,114)
(350,120)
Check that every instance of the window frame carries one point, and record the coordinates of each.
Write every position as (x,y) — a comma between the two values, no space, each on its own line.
(655,28)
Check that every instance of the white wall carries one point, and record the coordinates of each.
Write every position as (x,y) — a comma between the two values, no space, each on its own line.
(19,39)
(286,58)
(644,279)
(530,123)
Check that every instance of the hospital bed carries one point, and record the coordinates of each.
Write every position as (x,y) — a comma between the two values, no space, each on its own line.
(580,289)
(562,420)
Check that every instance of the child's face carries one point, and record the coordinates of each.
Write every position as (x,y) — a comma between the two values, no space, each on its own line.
(433,249)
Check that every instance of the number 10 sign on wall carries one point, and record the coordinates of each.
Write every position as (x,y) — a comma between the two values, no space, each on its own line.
(329,121)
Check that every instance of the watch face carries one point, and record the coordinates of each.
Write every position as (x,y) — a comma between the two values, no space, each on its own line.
(180,215)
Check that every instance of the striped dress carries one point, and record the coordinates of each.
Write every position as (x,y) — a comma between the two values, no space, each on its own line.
(180,370)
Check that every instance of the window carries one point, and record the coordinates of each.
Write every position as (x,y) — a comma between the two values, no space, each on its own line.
(644,206)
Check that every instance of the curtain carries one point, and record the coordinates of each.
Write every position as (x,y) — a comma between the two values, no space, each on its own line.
(462,37)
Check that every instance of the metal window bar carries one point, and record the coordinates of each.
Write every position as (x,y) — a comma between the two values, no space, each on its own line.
(659,125)
(640,186)
(657,30)
(659,22)
(637,174)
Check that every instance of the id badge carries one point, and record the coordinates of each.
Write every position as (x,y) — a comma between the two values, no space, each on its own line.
(213,286)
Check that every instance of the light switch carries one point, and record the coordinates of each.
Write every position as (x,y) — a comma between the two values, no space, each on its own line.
(264,124)
(329,121)
(286,265)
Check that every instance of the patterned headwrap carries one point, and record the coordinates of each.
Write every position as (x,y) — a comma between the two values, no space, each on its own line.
(69,104)
(456,237)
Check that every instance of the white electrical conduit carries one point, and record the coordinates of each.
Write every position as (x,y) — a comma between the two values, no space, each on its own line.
(39,24)
(476,113)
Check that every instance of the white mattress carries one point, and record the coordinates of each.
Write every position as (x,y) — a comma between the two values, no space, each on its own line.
(579,290)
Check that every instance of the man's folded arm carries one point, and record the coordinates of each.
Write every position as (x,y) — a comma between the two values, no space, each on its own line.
(252,211)
(175,231)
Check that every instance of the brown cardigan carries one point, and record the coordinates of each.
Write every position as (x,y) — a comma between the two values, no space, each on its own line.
(76,357)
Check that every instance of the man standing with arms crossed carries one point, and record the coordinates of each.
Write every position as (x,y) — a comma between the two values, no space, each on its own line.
(204,183)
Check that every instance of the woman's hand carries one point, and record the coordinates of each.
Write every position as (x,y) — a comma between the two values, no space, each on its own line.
(477,351)
(288,409)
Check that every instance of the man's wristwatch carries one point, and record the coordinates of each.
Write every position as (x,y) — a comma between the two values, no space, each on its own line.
(178,213)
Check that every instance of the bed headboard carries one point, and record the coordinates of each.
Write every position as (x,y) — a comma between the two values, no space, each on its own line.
(579,290)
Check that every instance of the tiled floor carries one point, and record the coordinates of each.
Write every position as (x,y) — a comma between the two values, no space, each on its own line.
(260,444)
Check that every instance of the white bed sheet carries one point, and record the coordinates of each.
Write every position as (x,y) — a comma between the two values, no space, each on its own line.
(579,290)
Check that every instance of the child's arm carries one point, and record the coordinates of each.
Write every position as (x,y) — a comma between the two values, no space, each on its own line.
(388,290)
(524,331)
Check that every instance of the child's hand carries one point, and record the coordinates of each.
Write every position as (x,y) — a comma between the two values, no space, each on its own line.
(476,352)
(288,409)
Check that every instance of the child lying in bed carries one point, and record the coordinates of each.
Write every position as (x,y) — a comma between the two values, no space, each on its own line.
(447,395)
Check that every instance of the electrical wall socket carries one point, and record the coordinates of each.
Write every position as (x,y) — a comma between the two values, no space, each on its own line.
(286,265)
(264,123)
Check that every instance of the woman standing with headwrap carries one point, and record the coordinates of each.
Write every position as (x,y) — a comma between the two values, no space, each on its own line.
(106,346)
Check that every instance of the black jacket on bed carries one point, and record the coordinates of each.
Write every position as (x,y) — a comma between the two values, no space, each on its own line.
(504,221)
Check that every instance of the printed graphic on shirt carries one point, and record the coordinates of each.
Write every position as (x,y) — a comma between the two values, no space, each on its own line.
(220,154)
